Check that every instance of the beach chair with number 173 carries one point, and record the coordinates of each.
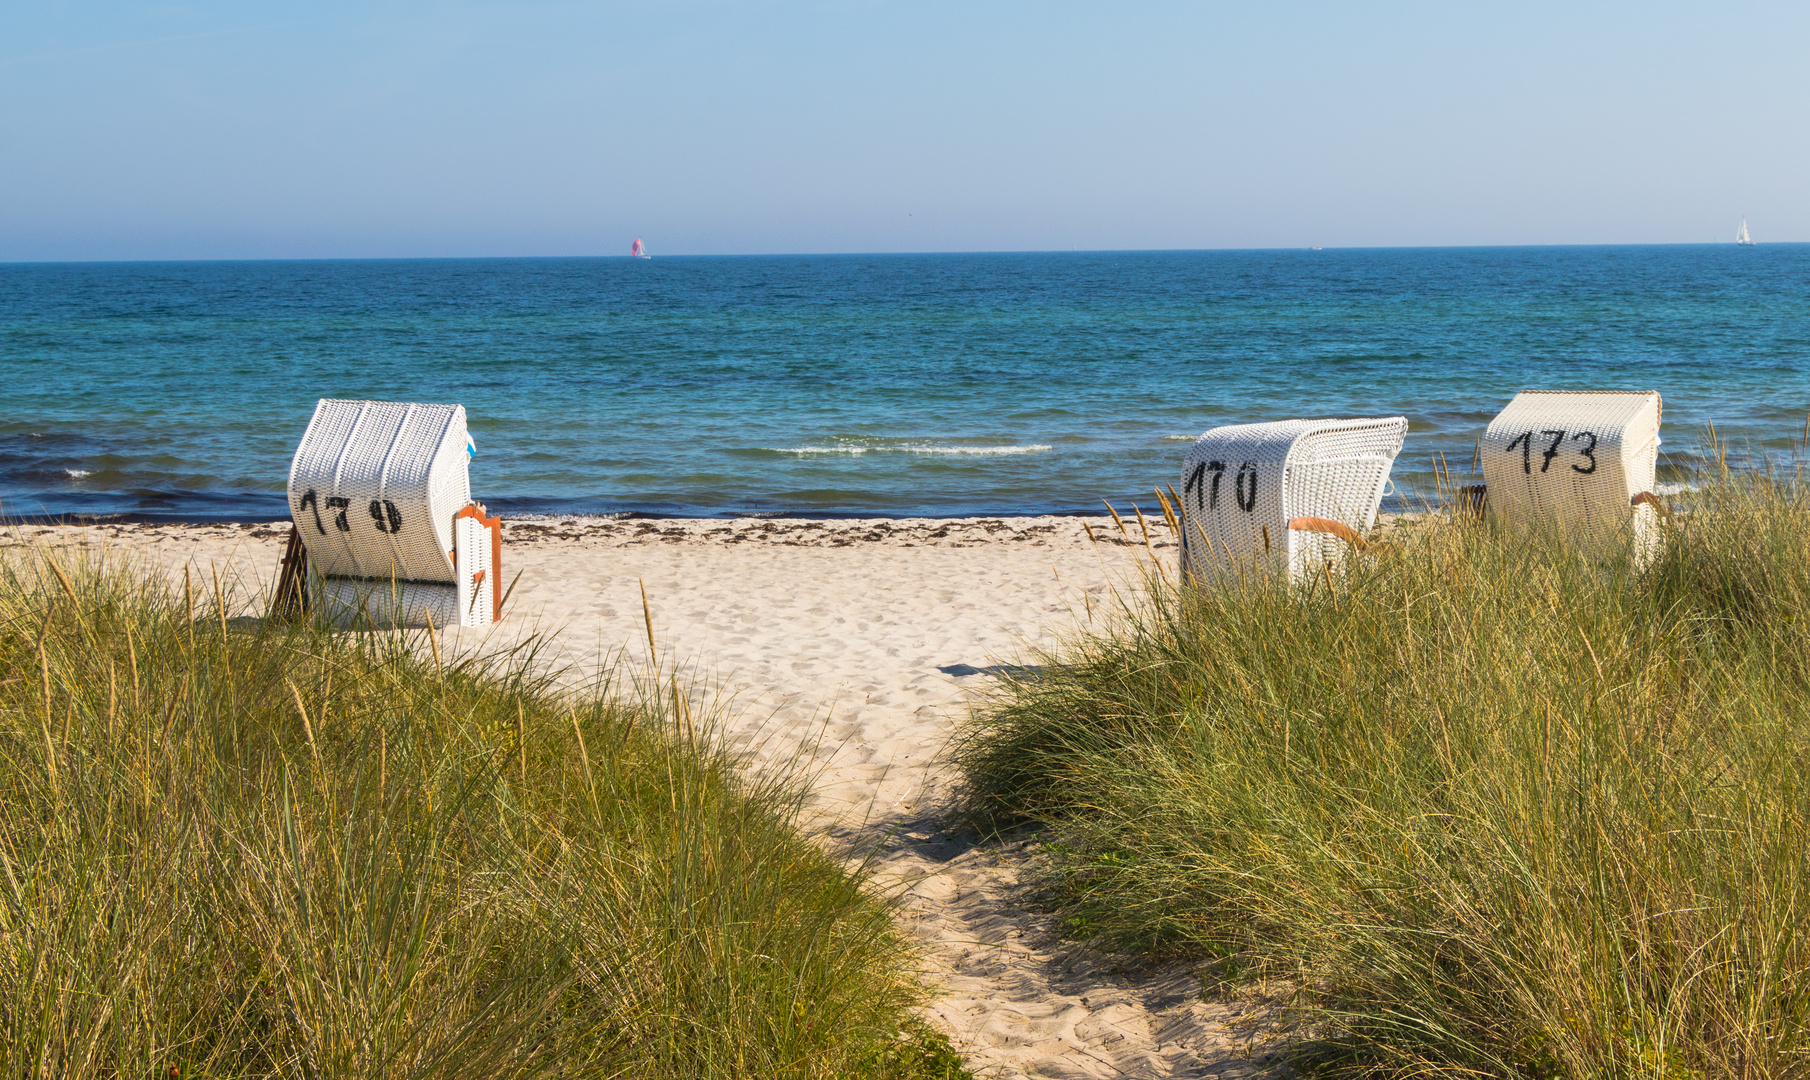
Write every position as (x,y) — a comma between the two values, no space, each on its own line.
(380,493)
(1579,462)
(1291,496)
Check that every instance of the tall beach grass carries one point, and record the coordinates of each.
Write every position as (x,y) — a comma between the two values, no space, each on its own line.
(231,848)
(1485,805)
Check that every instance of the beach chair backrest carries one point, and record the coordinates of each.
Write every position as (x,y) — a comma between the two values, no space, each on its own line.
(1575,461)
(1242,484)
(374,488)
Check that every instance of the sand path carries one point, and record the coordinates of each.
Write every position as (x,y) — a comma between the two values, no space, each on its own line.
(864,641)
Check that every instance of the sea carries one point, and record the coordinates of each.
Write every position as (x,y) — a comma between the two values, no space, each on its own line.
(865,385)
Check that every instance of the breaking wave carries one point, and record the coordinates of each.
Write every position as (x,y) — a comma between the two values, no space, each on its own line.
(976,451)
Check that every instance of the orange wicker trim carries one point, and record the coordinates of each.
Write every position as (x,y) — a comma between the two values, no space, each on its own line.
(1327,525)
(495,525)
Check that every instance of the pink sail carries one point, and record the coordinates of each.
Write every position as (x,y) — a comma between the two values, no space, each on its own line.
(637,250)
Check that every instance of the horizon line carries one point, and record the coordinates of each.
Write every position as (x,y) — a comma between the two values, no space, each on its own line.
(872,254)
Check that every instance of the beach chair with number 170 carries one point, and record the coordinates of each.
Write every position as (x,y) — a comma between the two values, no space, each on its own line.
(1291,496)
(380,493)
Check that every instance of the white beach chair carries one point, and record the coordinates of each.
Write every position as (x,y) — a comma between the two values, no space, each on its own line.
(381,496)
(1581,462)
(1290,495)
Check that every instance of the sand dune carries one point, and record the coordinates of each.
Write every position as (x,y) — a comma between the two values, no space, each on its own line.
(865,641)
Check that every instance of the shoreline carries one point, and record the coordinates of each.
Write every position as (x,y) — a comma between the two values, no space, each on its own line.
(534,526)
(73,518)
(1392,506)
(791,531)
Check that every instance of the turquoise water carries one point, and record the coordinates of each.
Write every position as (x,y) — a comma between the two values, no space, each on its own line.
(884,384)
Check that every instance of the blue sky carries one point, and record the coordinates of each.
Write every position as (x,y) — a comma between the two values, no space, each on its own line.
(378,129)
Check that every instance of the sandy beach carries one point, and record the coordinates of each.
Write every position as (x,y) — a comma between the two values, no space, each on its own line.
(863,642)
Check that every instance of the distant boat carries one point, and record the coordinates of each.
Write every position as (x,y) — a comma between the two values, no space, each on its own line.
(639,250)
(1742,236)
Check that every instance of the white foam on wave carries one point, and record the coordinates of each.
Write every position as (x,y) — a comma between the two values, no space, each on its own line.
(980,451)
(586,516)
(1180,438)
(1673,489)
(77,474)
(1035,448)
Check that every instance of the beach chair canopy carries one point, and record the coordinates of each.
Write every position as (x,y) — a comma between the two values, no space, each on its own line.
(1576,461)
(1243,484)
(380,493)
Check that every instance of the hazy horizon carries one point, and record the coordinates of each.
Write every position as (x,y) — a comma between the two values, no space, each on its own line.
(878,254)
(409,129)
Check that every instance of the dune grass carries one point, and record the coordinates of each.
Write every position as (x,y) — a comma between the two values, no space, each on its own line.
(1486,807)
(230,848)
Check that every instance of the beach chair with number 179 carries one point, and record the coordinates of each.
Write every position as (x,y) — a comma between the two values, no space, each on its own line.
(1291,496)
(380,493)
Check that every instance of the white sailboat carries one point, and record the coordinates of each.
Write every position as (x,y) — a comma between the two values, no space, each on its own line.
(638,250)
(1742,237)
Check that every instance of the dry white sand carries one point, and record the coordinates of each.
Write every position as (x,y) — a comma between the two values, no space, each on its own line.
(865,641)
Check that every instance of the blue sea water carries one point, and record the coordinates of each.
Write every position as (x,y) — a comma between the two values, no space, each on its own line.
(871,384)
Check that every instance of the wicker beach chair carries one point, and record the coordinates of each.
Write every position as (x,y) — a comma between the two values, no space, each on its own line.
(1290,496)
(1580,462)
(381,497)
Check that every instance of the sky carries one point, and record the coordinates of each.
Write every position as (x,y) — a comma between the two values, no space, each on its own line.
(391,128)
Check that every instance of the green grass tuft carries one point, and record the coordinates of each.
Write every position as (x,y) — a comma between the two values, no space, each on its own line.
(237,849)
(1488,806)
